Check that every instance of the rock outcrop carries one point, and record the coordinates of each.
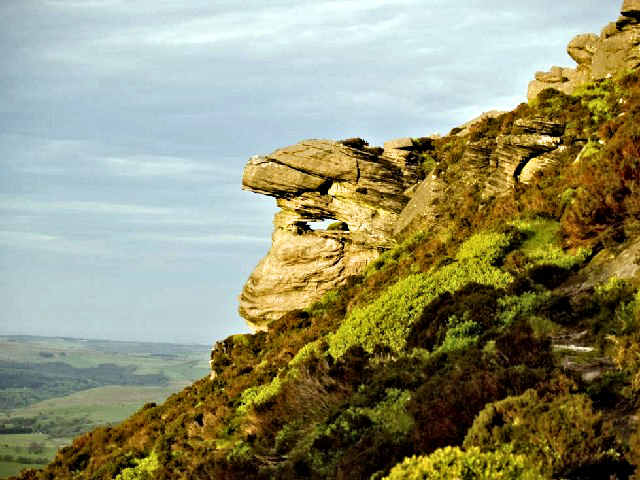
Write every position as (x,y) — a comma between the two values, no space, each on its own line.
(374,194)
(494,165)
(616,49)
(318,180)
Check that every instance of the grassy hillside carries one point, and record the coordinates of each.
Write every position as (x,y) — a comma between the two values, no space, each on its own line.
(487,347)
(53,389)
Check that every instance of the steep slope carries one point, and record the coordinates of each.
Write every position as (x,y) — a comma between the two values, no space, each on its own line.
(498,337)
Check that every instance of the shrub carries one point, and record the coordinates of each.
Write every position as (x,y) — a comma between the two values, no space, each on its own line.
(386,322)
(542,245)
(560,434)
(452,463)
(143,470)
(255,396)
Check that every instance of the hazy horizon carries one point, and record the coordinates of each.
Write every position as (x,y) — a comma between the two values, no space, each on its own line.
(125,127)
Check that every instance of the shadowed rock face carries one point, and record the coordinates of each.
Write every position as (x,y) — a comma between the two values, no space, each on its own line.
(616,49)
(318,180)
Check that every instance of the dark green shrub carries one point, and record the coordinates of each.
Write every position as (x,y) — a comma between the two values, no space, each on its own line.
(561,434)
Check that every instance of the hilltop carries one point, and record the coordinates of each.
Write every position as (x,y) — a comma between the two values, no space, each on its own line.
(473,312)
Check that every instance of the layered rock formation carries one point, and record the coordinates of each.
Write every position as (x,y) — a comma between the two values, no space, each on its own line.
(317,180)
(375,196)
(496,165)
(616,49)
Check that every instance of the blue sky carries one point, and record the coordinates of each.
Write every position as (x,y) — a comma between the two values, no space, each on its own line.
(125,126)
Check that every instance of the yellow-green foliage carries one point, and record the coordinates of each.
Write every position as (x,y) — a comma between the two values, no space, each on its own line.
(322,304)
(461,332)
(255,396)
(306,352)
(559,435)
(389,415)
(387,320)
(601,97)
(143,470)
(452,463)
(520,306)
(542,244)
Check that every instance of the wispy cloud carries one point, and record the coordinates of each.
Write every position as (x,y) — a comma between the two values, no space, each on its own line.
(219,239)
(53,243)
(22,204)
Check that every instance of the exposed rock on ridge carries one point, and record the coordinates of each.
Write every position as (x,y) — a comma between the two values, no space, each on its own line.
(616,49)
(377,197)
(317,180)
(495,166)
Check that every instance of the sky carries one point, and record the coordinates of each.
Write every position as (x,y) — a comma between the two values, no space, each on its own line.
(125,126)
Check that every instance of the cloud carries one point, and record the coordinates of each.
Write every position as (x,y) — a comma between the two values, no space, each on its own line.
(24,204)
(53,243)
(56,156)
(202,240)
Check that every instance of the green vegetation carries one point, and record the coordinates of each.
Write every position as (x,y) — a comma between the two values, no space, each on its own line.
(490,347)
(452,463)
(559,434)
(143,469)
(387,321)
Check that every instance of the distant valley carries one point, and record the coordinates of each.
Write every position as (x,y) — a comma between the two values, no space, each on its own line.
(52,389)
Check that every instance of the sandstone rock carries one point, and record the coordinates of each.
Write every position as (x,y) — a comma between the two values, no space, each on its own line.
(542,127)
(609,30)
(466,127)
(582,48)
(631,8)
(264,175)
(553,76)
(298,270)
(617,49)
(399,144)
(536,164)
(317,180)
(617,53)
(425,207)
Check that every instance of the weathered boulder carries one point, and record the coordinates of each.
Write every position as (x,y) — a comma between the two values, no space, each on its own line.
(615,50)
(319,180)
(582,48)
(426,206)
(631,8)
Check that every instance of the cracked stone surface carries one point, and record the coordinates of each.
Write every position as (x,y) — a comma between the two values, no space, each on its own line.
(319,180)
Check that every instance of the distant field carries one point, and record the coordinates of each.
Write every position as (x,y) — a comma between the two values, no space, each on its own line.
(52,389)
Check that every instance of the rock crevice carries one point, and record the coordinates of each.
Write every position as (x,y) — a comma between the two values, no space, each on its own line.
(317,180)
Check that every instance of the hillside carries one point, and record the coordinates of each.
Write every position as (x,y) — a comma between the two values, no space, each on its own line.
(54,389)
(496,336)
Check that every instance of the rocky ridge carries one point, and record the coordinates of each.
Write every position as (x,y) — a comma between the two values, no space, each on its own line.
(377,196)
(617,48)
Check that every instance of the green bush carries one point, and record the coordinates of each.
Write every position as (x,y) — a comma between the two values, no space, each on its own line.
(452,463)
(542,245)
(259,395)
(387,321)
(143,470)
(560,434)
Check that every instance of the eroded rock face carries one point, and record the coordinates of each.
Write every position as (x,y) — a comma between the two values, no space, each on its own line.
(318,180)
(616,49)
(494,165)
